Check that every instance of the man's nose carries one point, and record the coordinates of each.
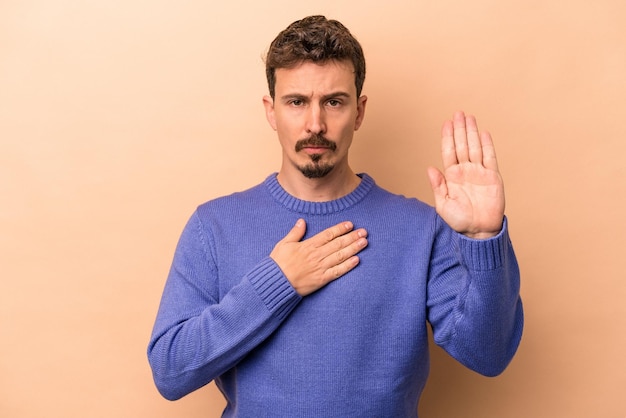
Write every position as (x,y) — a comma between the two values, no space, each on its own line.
(315,121)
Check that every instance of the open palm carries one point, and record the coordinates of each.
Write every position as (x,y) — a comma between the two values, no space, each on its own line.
(469,193)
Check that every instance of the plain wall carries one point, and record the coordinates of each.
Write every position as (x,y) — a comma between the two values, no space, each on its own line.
(118,117)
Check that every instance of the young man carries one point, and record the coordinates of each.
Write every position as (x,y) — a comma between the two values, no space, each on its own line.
(309,295)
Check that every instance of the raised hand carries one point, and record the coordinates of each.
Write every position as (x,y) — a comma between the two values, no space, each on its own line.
(311,264)
(469,193)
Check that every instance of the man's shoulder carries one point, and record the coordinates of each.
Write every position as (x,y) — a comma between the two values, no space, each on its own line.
(248,196)
(387,197)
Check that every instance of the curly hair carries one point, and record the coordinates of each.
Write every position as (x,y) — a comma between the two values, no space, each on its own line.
(315,39)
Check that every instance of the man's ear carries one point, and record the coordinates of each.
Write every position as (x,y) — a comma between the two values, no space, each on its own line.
(360,112)
(268,102)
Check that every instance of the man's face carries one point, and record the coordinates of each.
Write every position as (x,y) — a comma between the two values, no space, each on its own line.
(315,113)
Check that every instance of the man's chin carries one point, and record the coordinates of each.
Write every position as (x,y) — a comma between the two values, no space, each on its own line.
(316,171)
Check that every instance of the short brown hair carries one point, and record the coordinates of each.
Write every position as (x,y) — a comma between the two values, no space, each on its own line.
(315,39)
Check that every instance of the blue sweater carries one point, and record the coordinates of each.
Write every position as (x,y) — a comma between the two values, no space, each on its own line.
(358,347)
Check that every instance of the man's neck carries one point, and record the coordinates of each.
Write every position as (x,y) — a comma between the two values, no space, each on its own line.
(334,185)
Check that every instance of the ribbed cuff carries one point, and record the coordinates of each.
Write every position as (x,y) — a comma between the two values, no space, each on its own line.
(485,254)
(273,288)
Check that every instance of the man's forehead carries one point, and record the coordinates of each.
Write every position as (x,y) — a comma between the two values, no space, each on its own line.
(323,77)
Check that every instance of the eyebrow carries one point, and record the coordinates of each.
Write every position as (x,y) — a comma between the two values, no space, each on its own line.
(325,97)
(335,95)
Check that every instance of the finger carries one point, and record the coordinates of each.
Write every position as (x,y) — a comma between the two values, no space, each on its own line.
(448,151)
(296,233)
(331,233)
(475,151)
(489,151)
(344,247)
(460,137)
(339,270)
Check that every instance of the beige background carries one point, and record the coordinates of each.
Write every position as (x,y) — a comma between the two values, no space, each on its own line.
(118,117)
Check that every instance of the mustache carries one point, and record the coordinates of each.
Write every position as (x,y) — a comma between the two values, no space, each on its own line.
(315,140)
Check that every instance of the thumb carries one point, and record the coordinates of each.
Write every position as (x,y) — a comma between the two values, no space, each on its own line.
(437,183)
(296,233)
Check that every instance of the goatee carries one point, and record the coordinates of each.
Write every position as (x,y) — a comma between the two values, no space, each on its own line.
(316,169)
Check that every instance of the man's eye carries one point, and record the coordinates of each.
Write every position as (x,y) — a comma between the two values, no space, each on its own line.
(296,102)
(334,103)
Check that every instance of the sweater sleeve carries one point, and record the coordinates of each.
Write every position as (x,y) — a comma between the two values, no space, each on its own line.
(474,304)
(198,335)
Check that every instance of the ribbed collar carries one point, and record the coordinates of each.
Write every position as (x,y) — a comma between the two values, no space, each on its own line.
(318,208)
